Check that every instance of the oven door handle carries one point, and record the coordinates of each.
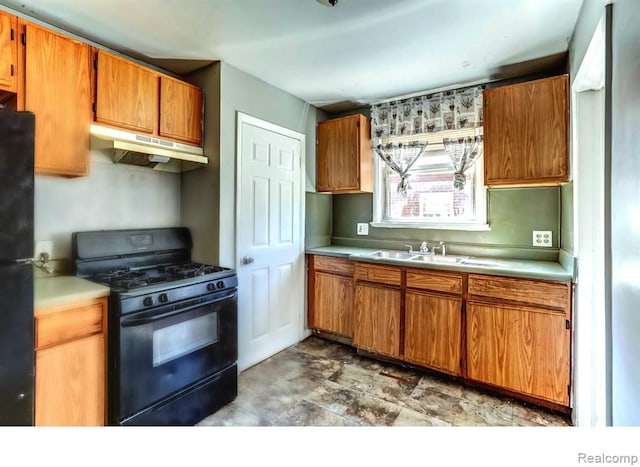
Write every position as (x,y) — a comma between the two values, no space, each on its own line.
(150,317)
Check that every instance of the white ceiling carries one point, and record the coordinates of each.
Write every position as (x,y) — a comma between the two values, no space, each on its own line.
(357,52)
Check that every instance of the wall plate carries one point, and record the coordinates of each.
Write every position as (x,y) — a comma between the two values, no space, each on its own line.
(362,228)
(543,238)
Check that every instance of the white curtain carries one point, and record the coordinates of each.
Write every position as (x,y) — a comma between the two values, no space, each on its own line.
(464,152)
(399,158)
(430,113)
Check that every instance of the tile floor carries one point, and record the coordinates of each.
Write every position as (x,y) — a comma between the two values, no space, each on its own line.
(322,383)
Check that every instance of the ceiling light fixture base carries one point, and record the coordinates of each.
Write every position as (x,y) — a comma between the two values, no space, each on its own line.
(328,2)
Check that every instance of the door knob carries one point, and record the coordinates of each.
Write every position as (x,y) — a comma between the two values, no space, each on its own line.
(247,260)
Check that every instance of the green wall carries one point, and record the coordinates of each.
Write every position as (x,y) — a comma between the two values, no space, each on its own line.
(513,213)
(318,219)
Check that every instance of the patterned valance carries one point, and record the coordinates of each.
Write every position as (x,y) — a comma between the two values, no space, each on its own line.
(430,113)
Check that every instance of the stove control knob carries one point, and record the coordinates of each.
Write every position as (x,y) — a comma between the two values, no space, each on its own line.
(220,284)
(211,287)
(148,301)
(163,298)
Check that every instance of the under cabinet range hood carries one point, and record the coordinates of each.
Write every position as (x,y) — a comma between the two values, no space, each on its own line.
(147,151)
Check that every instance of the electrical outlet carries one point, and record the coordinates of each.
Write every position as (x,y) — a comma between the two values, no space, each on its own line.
(362,228)
(43,247)
(542,238)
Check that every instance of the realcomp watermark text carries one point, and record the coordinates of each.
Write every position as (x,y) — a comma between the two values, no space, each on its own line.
(604,458)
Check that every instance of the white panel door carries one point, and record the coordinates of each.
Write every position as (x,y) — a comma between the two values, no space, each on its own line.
(270,245)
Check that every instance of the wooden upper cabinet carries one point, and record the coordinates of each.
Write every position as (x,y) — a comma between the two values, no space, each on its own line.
(344,155)
(525,133)
(180,111)
(57,89)
(8,52)
(126,94)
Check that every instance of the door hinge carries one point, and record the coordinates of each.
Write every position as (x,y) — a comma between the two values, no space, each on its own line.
(12,69)
(567,324)
(95,62)
(23,37)
(12,34)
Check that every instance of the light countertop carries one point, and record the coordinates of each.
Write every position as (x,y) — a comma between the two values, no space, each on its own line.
(61,290)
(545,270)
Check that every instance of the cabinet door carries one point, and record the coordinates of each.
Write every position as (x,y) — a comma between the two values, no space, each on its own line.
(344,155)
(333,304)
(180,111)
(70,383)
(377,319)
(519,348)
(58,92)
(126,94)
(432,331)
(8,52)
(525,133)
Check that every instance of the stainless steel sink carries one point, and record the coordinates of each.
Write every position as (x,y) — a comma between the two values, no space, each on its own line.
(449,259)
(388,254)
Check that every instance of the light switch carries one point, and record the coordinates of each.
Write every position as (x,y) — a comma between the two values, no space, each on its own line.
(362,228)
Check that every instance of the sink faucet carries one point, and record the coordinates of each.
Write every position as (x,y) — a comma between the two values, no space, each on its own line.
(442,248)
(424,248)
(410,248)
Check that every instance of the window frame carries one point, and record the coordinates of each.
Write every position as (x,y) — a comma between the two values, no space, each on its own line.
(480,199)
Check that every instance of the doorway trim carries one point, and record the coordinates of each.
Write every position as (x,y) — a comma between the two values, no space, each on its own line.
(590,210)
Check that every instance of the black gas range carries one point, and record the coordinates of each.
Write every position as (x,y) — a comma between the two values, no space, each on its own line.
(172,345)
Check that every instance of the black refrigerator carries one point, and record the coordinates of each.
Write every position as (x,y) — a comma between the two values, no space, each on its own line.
(16,271)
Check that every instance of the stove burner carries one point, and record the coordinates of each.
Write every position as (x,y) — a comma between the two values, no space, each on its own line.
(123,278)
(192,269)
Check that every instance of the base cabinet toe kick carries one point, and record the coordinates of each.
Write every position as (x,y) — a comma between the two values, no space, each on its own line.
(506,334)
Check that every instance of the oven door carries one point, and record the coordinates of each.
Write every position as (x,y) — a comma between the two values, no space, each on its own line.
(168,348)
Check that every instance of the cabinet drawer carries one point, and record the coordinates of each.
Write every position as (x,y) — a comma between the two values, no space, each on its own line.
(333,265)
(435,281)
(53,327)
(381,274)
(548,294)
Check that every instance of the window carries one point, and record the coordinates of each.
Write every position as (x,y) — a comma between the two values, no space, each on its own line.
(432,202)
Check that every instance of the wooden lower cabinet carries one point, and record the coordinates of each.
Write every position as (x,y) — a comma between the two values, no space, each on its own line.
(333,304)
(70,387)
(377,319)
(508,333)
(330,282)
(523,349)
(432,331)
